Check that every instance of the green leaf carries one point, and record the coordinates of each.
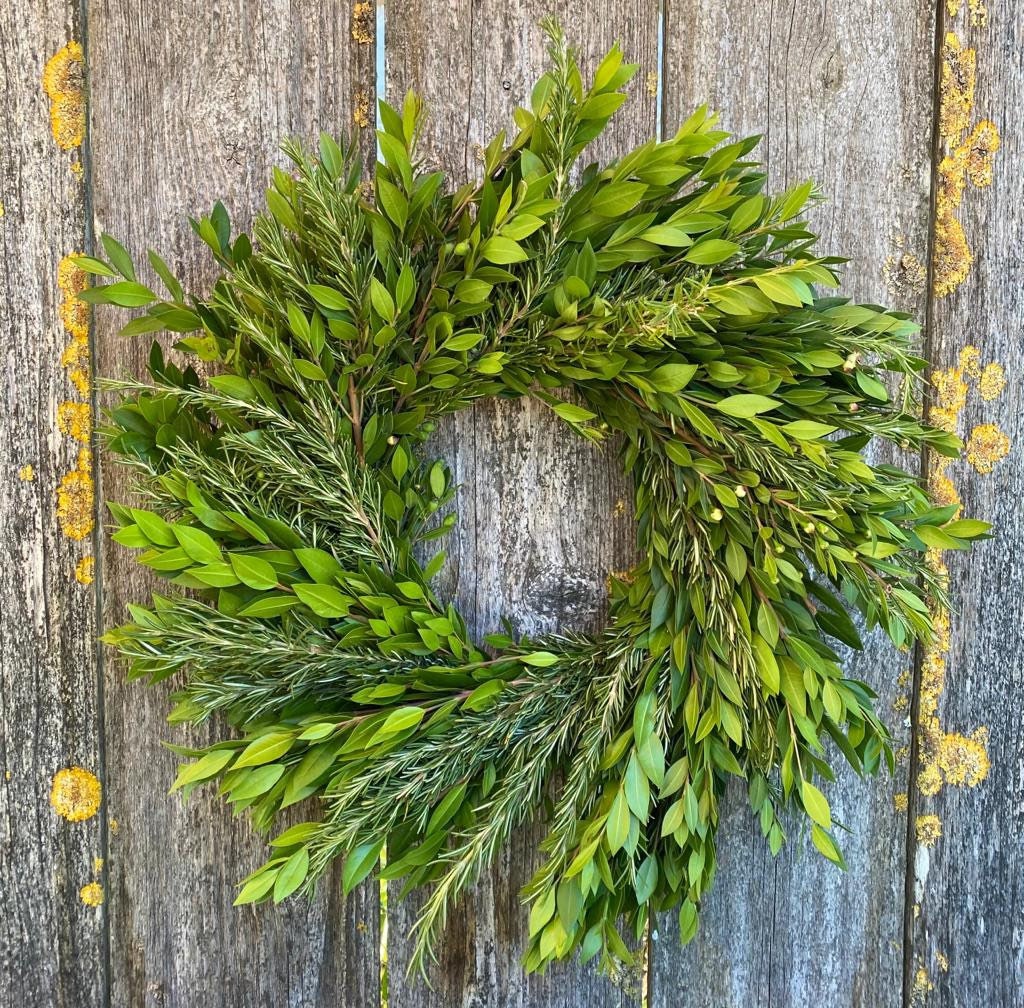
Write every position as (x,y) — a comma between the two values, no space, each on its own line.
(827,846)
(503,251)
(746,405)
(328,297)
(359,863)
(807,430)
(126,294)
(617,825)
(541,659)
(324,600)
(197,544)
(291,874)
(118,256)
(269,606)
(203,769)
(265,749)
(816,805)
(573,413)
(711,252)
(257,887)
(320,565)
(401,720)
(253,571)
(672,377)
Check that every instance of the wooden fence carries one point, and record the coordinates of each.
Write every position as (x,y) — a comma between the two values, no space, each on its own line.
(887,105)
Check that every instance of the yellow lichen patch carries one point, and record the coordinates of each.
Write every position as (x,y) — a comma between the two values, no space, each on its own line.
(85,570)
(992,382)
(967,159)
(361,110)
(113,825)
(956,88)
(976,8)
(91,894)
(362,23)
(952,255)
(97,865)
(928,829)
(978,152)
(619,511)
(71,281)
(986,446)
(900,801)
(942,961)
(62,82)
(75,794)
(75,498)
(651,85)
(922,985)
(26,474)
(75,420)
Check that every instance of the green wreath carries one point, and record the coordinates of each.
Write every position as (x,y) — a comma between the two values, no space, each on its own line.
(662,299)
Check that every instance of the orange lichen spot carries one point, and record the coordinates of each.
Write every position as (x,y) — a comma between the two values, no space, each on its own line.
(75,420)
(361,109)
(62,82)
(91,894)
(986,446)
(75,498)
(27,473)
(900,801)
(928,829)
(85,570)
(362,23)
(75,794)
(992,381)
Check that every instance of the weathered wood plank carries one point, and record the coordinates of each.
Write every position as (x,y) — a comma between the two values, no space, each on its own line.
(841,94)
(189,104)
(51,942)
(967,941)
(539,527)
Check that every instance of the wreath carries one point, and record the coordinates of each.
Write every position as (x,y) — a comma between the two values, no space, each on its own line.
(663,303)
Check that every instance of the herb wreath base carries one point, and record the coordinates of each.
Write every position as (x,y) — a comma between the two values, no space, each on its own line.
(289,495)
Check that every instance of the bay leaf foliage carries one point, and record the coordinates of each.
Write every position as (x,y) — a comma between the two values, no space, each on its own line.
(290,500)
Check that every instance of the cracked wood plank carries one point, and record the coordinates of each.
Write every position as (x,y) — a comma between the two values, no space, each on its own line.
(51,942)
(967,929)
(842,95)
(189,104)
(538,528)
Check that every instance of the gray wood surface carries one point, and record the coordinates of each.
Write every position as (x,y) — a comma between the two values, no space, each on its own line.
(537,535)
(189,104)
(842,94)
(968,938)
(52,949)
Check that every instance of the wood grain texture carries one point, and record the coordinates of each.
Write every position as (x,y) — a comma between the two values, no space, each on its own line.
(538,531)
(969,884)
(841,94)
(189,104)
(51,944)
